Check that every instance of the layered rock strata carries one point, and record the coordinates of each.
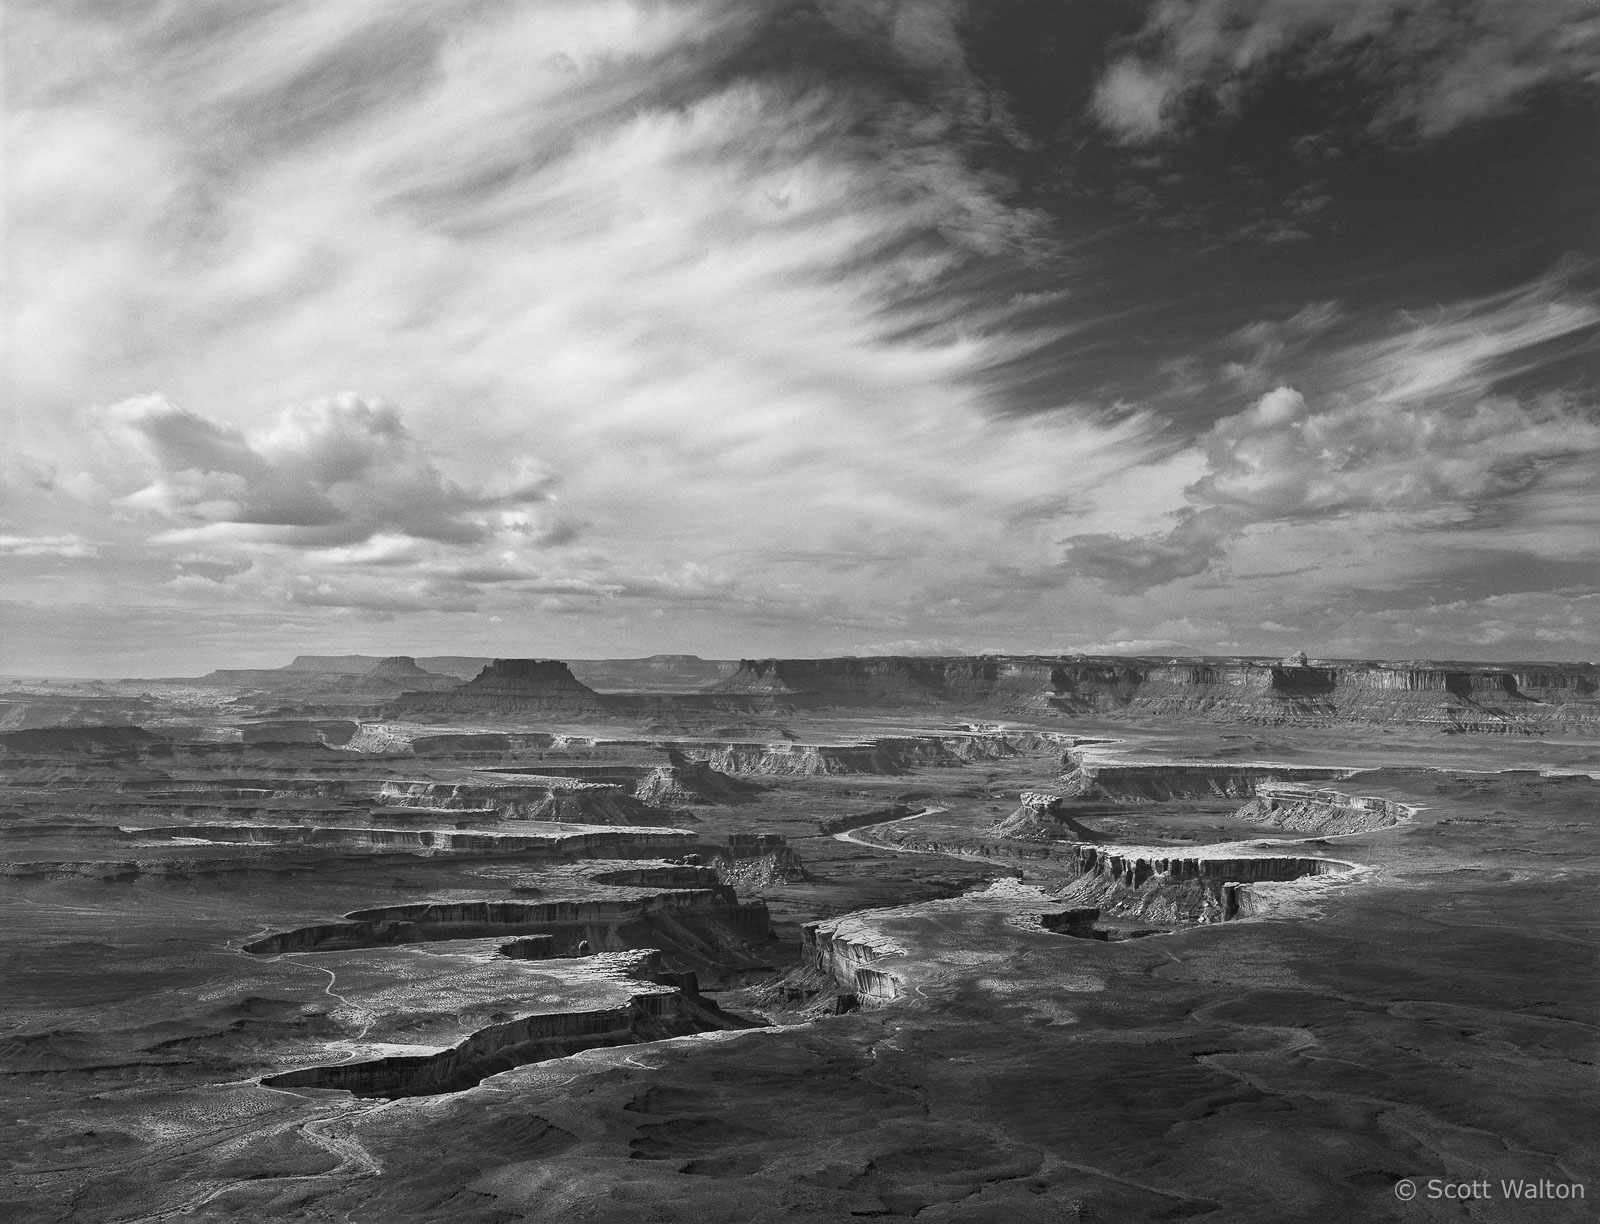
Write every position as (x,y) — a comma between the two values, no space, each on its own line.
(1453,698)
(849,954)
(1157,887)
(1155,783)
(888,755)
(684,782)
(1305,809)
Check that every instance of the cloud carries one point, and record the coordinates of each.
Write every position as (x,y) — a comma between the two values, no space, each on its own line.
(1428,68)
(335,472)
(1409,433)
(1135,101)
(1278,459)
(1533,623)
(732,304)
(694,310)
(45,546)
(937,647)
(1132,564)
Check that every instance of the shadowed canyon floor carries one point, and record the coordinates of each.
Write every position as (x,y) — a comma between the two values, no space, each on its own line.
(706,948)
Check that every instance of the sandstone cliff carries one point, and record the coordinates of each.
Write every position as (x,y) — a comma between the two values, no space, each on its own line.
(1160,886)
(1154,783)
(1515,699)
(1304,809)
(683,782)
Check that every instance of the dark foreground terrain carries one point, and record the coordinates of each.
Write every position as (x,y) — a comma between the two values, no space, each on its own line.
(775,941)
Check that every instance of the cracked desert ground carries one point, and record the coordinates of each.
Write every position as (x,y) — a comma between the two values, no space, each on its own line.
(995,939)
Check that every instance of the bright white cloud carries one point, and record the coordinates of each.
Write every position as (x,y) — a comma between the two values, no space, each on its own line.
(334,472)
(1279,459)
(707,305)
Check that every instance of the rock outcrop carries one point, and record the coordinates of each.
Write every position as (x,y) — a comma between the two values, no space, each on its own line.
(850,955)
(1305,809)
(756,860)
(1156,886)
(1042,816)
(683,782)
(1154,783)
(1079,923)
(889,756)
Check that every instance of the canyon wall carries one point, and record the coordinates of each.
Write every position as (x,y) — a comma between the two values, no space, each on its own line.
(1304,809)
(651,1016)
(1516,699)
(840,952)
(699,917)
(889,755)
(1154,783)
(1155,886)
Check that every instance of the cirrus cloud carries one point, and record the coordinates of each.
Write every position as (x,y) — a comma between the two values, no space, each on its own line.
(1429,68)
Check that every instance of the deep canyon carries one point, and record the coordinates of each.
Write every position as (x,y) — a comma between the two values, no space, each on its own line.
(953,939)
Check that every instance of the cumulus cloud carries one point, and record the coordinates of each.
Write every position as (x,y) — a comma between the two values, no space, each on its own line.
(1279,459)
(337,472)
(1409,430)
(1430,68)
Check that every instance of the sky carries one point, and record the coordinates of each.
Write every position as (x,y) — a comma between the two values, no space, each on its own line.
(798,328)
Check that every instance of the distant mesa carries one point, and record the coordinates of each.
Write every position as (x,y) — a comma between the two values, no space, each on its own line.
(345,665)
(335,674)
(400,672)
(401,667)
(1451,698)
(508,686)
(534,677)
